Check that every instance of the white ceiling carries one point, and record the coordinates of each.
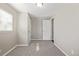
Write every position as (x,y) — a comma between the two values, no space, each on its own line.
(48,9)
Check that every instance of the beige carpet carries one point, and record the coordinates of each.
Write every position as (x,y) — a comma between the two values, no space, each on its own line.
(37,48)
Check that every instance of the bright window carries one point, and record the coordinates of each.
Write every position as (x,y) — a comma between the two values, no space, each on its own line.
(6,21)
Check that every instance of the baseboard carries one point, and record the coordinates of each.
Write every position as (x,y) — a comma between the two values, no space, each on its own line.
(22,45)
(36,39)
(61,49)
(9,51)
(14,48)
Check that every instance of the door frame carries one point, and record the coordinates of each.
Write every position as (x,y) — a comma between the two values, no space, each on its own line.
(52,28)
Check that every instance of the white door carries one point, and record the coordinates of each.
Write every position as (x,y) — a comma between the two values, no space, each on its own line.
(47,30)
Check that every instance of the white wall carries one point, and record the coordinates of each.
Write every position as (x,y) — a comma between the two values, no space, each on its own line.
(8,39)
(66,28)
(23,29)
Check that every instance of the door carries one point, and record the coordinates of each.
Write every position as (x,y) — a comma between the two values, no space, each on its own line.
(47,30)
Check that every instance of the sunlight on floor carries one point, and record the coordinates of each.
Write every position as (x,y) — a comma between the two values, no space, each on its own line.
(37,47)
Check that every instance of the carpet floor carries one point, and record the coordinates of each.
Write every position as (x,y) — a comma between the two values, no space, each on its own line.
(37,48)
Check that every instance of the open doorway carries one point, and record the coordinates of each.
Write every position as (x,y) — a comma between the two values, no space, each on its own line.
(42,28)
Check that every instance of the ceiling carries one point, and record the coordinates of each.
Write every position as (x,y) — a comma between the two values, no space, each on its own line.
(47,9)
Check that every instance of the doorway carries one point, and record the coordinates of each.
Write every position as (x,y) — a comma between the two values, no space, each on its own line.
(42,28)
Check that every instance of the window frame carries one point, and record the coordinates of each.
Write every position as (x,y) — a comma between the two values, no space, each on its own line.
(12,22)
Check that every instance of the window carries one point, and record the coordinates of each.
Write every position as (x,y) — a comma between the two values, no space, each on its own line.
(6,21)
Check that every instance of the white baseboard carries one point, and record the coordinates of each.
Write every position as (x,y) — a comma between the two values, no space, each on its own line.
(22,45)
(61,49)
(14,48)
(9,51)
(37,39)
